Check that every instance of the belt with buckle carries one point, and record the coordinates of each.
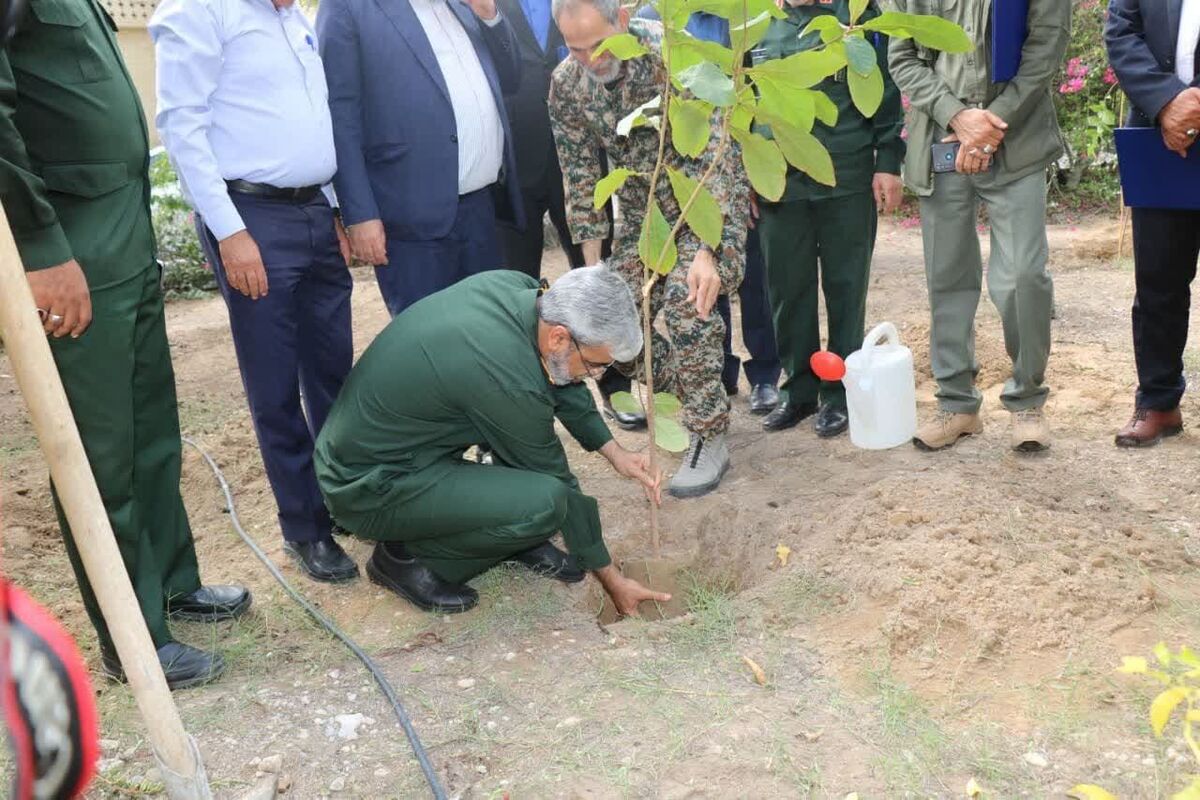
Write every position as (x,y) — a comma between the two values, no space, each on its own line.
(268,192)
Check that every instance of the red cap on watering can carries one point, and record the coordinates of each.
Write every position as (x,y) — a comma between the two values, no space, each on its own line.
(827,366)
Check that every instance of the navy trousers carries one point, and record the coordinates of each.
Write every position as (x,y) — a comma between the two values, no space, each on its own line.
(294,341)
(757,329)
(417,269)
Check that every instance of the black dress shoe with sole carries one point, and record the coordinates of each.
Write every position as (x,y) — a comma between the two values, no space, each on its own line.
(416,583)
(764,398)
(831,421)
(549,562)
(625,421)
(787,415)
(209,604)
(183,665)
(323,560)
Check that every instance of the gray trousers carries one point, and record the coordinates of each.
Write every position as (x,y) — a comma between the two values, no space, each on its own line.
(1017,282)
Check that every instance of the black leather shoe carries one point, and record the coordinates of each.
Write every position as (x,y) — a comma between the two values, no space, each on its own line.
(550,562)
(209,604)
(184,666)
(324,560)
(416,583)
(629,422)
(732,389)
(831,421)
(788,415)
(764,397)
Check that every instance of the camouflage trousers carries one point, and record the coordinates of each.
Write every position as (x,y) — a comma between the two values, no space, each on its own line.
(689,363)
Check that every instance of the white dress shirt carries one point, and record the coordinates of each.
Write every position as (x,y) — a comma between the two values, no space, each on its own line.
(1189,37)
(241,96)
(480,133)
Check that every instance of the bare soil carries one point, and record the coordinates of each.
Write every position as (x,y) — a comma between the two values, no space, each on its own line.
(941,618)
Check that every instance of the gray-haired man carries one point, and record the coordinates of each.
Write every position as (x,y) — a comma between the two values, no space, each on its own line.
(493,360)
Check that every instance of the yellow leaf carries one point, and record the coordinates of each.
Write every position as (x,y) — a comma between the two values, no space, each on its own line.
(1192,792)
(1164,705)
(760,677)
(1133,665)
(1163,654)
(973,789)
(1086,791)
(783,553)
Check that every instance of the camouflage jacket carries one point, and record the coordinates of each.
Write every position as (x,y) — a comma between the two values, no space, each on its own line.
(584,114)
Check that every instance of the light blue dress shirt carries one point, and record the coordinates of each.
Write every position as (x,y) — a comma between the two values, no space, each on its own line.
(241,96)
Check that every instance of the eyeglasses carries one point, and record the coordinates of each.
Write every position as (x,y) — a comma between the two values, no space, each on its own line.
(592,367)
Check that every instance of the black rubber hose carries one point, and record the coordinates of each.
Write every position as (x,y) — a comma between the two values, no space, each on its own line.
(401,715)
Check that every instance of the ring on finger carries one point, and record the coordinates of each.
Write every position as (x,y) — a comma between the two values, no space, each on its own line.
(56,319)
(988,149)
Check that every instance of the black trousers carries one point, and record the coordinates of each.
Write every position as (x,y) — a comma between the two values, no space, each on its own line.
(758,331)
(1166,246)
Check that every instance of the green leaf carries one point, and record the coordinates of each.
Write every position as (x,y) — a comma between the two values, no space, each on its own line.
(1133,665)
(1188,657)
(866,92)
(1086,791)
(1164,705)
(755,29)
(625,403)
(857,7)
(1163,654)
(737,11)
(802,70)
(704,217)
(656,234)
(785,101)
(707,82)
(826,109)
(610,184)
(764,164)
(1191,792)
(743,114)
(860,56)
(670,435)
(691,126)
(688,51)
(666,404)
(622,45)
(828,26)
(637,118)
(932,32)
(806,153)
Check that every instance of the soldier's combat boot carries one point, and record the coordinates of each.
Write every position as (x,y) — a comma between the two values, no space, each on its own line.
(703,466)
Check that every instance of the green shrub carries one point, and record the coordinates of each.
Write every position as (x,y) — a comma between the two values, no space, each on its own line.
(186,272)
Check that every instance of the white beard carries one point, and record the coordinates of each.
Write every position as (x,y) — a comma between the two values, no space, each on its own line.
(558,366)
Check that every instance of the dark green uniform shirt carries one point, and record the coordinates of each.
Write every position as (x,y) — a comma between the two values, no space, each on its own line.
(457,369)
(860,147)
(73,148)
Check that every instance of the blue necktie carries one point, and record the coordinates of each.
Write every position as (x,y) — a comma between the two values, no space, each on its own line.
(537,14)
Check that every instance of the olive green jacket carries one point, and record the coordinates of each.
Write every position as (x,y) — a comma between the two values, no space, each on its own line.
(74,153)
(940,85)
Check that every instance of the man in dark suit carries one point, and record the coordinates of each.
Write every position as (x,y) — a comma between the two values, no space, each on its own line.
(425,156)
(1154,47)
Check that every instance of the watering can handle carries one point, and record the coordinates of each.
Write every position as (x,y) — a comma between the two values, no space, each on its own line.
(881,332)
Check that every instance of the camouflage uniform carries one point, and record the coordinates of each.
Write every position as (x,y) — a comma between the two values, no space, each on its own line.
(584,114)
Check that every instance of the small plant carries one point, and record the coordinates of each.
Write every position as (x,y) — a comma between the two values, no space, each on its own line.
(186,272)
(1179,675)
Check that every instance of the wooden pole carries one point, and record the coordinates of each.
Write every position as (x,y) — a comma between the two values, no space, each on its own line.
(36,374)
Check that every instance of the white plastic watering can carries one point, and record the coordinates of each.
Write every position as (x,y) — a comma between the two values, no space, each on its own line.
(880,391)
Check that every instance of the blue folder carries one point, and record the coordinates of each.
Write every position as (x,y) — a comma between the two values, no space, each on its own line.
(1154,177)
(1010,26)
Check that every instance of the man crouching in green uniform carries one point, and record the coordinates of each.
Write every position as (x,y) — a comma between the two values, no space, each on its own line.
(73,179)
(490,361)
(833,226)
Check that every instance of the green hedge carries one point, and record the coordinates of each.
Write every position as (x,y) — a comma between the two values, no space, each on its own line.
(186,272)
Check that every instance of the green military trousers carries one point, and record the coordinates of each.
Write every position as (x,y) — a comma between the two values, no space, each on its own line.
(462,518)
(1017,280)
(121,387)
(833,238)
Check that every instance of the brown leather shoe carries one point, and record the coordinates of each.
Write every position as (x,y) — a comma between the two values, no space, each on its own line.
(1148,427)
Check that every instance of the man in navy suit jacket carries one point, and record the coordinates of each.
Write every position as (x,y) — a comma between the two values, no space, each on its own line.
(425,155)
(1154,47)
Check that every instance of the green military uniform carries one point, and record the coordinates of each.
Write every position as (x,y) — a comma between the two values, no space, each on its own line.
(940,85)
(830,230)
(584,114)
(458,369)
(73,180)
